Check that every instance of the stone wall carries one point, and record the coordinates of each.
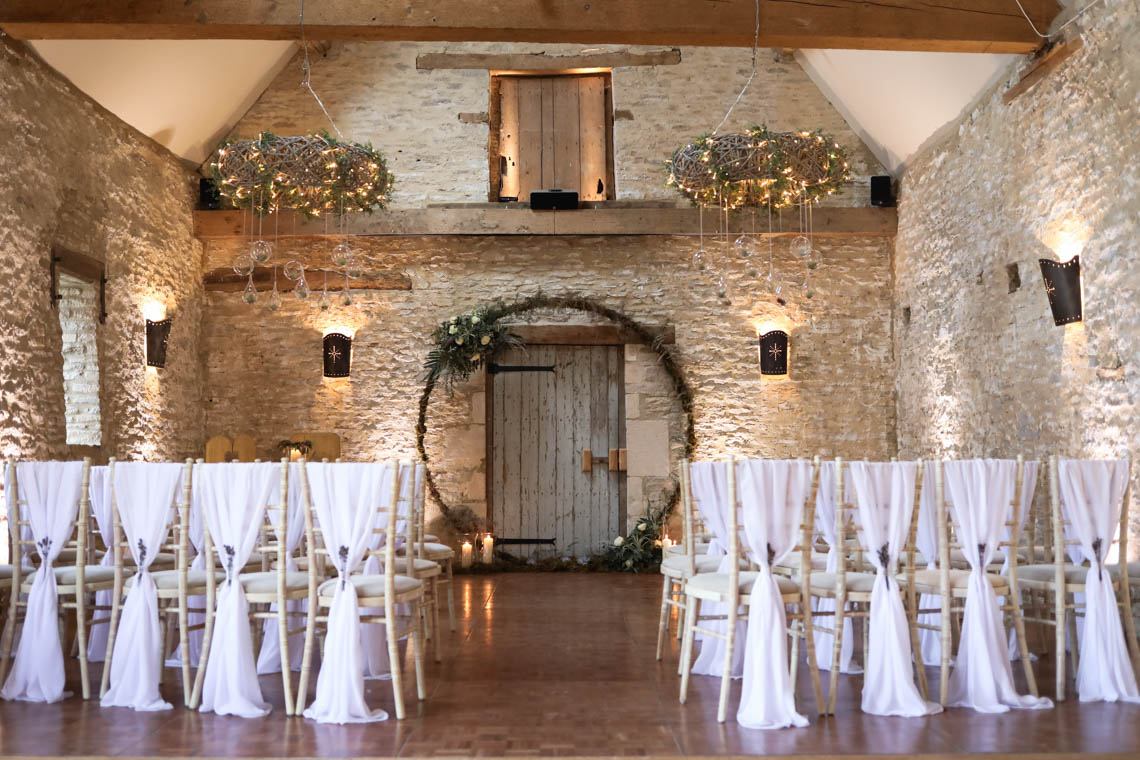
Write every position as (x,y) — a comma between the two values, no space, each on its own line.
(77,178)
(982,370)
(376,94)
(79,324)
(263,370)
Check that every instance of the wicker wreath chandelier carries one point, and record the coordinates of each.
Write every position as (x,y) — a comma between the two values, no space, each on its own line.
(758,168)
(313,174)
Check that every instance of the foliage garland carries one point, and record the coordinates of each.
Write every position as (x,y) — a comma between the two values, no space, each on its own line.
(440,366)
(313,174)
(758,168)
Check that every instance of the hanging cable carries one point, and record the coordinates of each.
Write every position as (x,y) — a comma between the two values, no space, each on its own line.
(306,67)
(755,45)
(1033,26)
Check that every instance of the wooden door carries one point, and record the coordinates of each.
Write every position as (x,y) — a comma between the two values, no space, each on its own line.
(540,421)
(554,132)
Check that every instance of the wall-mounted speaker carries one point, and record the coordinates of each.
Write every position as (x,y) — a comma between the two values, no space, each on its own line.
(554,199)
(881,194)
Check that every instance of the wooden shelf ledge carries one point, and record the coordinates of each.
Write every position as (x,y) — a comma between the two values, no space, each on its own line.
(491,219)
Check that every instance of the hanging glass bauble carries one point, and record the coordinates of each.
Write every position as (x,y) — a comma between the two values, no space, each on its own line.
(243,264)
(346,297)
(274,301)
(341,254)
(293,269)
(250,294)
(261,251)
(353,270)
(302,289)
(324,303)
(699,259)
(745,246)
(801,246)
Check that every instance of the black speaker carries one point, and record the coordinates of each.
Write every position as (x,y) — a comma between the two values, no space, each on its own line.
(881,194)
(553,199)
(208,197)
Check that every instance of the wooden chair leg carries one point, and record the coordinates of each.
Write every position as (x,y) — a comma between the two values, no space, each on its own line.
(663,620)
(1129,618)
(915,643)
(692,607)
(1059,641)
(836,652)
(394,657)
(450,595)
(9,632)
(794,654)
(813,665)
(417,642)
(947,641)
(1074,642)
(81,639)
(112,634)
(184,649)
(204,658)
(1023,644)
(307,655)
(286,662)
(436,638)
(726,670)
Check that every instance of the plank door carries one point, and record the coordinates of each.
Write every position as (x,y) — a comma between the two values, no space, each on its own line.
(554,132)
(540,422)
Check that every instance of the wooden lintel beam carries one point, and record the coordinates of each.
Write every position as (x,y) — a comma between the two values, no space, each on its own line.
(544,62)
(492,219)
(587,335)
(971,26)
(227,281)
(1041,67)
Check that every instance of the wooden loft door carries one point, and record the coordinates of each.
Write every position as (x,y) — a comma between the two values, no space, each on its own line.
(553,131)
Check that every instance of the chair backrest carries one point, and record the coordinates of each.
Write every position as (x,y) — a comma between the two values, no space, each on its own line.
(176,535)
(688,539)
(61,475)
(949,530)
(1118,472)
(737,519)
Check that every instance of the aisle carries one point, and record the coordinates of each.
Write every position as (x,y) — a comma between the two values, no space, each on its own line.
(555,665)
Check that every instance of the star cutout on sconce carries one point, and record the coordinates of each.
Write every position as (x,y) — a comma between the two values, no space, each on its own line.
(775,352)
(334,353)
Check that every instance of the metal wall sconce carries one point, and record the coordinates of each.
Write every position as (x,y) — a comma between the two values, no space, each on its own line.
(337,354)
(774,353)
(157,335)
(1063,286)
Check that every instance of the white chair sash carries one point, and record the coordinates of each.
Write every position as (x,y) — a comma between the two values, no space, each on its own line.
(269,658)
(144,496)
(885,498)
(772,495)
(234,496)
(197,544)
(1024,506)
(825,508)
(346,497)
(1093,494)
(709,484)
(99,492)
(52,492)
(980,491)
(929,640)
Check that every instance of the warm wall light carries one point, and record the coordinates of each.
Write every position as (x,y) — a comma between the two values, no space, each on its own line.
(1063,287)
(157,335)
(337,354)
(774,353)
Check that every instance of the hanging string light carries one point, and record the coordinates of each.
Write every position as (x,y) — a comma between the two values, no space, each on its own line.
(315,173)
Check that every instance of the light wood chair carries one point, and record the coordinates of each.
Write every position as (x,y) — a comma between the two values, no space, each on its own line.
(174,586)
(676,568)
(76,580)
(276,587)
(442,554)
(734,589)
(951,583)
(1057,582)
(383,591)
(417,567)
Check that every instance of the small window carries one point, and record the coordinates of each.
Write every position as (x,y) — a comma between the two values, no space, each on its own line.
(78,289)
(551,132)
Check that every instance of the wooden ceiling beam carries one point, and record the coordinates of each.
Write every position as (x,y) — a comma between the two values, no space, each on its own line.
(970,26)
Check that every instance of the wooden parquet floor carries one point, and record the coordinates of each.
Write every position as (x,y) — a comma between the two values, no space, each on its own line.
(561,665)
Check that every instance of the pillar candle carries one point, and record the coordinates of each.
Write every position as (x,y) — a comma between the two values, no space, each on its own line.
(488,549)
(666,544)
(465,560)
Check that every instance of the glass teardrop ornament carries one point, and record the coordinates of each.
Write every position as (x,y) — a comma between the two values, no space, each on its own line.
(243,264)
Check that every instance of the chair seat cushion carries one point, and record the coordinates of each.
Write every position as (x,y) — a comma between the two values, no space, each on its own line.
(167,580)
(708,584)
(959,579)
(371,585)
(429,538)
(266,582)
(1133,570)
(420,565)
(818,561)
(437,551)
(678,549)
(1047,572)
(857,582)
(679,566)
(65,576)
(5,572)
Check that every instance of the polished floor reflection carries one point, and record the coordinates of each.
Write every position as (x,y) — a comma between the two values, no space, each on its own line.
(560,665)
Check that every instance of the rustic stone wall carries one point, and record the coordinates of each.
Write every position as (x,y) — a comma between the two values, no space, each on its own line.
(79,323)
(263,370)
(75,177)
(981,368)
(376,94)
